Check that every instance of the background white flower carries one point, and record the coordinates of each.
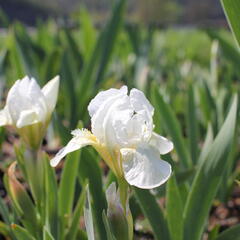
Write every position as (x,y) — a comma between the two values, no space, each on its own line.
(27,104)
(122,132)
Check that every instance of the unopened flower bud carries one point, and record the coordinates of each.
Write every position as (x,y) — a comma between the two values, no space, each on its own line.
(116,215)
(19,195)
(29,108)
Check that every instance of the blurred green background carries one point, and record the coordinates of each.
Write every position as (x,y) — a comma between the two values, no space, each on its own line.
(180,53)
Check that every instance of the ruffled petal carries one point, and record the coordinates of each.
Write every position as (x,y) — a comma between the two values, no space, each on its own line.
(81,139)
(101,116)
(50,91)
(161,143)
(104,96)
(140,102)
(143,167)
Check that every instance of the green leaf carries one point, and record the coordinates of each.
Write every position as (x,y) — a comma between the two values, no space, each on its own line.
(96,66)
(88,217)
(232,233)
(61,129)
(109,36)
(47,235)
(174,210)
(25,50)
(50,67)
(110,235)
(229,175)
(208,178)
(68,76)
(213,233)
(192,122)
(231,10)
(88,32)
(82,235)
(67,185)
(89,170)
(14,58)
(22,202)
(208,104)
(153,213)
(4,229)
(228,49)
(207,145)
(4,211)
(171,123)
(73,49)
(74,226)
(21,233)
(51,199)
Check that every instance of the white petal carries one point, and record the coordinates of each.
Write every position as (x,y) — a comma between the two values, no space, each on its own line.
(24,95)
(27,117)
(130,128)
(103,96)
(114,203)
(81,139)
(5,118)
(111,193)
(140,102)
(161,143)
(50,91)
(103,112)
(143,167)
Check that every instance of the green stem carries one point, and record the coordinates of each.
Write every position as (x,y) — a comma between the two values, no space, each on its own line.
(123,191)
(130,224)
(34,169)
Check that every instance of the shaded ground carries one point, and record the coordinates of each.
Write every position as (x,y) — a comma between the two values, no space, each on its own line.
(24,12)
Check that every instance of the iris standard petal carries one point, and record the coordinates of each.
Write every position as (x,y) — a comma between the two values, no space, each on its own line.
(50,92)
(161,143)
(129,127)
(81,139)
(99,118)
(103,96)
(140,102)
(143,167)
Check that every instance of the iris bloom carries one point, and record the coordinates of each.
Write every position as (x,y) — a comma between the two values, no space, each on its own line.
(29,108)
(122,133)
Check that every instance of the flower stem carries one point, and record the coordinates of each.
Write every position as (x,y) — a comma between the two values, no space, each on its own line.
(123,188)
(34,169)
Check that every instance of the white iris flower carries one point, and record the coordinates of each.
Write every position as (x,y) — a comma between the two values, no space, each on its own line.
(122,133)
(29,108)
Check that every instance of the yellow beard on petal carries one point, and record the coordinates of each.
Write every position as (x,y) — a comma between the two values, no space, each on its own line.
(111,158)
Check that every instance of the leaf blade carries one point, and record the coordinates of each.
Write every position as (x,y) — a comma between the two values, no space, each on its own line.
(174,210)
(231,10)
(208,174)
(153,213)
